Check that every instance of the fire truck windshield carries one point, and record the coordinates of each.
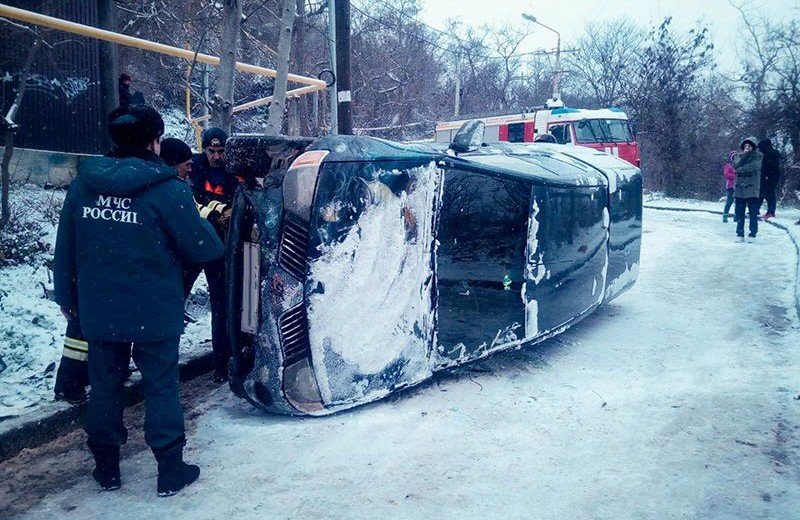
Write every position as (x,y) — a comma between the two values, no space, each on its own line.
(603,131)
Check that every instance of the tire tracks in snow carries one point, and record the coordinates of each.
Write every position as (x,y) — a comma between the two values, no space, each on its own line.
(784,450)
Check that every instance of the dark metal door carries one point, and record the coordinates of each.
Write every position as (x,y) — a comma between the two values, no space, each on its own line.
(567,255)
(482,238)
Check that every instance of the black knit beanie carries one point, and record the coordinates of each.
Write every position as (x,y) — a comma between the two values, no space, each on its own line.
(174,151)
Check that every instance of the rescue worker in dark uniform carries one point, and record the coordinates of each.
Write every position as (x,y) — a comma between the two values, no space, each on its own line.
(213,190)
(126,230)
(72,376)
(177,154)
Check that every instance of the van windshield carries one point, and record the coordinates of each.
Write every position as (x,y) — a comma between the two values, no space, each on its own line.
(603,131)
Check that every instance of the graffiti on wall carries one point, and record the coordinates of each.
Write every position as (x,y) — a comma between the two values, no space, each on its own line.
(66,89)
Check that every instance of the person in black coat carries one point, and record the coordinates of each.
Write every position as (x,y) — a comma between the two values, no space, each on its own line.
(213,189)
(770,176)
(124,90)
(127,228)
(177,154)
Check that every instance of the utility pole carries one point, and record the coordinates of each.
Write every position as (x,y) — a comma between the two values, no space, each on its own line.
(109,90)
(332,97)
(343,65)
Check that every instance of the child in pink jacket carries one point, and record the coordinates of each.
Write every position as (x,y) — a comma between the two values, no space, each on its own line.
(730,179)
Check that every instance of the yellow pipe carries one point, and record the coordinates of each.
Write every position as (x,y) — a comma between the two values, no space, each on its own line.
(101,34)
(263,101)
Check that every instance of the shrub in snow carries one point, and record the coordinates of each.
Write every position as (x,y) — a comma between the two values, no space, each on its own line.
(23,242)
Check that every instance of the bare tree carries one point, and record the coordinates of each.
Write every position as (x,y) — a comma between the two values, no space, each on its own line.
(10,127)
(278,105)
(505,41)
(604,58)
(222,101)
(663,96)
(770,79)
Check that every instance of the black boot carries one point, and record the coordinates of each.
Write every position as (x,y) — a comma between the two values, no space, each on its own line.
(173,473)
(106,471)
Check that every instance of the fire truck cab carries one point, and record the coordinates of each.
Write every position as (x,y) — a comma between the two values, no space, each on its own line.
(604,129)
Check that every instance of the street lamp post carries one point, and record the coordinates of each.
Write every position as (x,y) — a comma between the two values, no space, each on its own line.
(557,73)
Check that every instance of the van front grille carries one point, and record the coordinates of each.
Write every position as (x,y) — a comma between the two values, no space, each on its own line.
(294,335)
(293,252)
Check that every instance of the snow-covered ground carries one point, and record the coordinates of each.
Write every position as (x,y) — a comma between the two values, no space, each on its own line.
(177,125)
(31,325)
(679,400)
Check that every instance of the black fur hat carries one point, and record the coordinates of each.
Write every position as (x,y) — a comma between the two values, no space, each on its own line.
(135,126)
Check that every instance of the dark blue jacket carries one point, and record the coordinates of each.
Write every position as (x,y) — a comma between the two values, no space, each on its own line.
(127,227)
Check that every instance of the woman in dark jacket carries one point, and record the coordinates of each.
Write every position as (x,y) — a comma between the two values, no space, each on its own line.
(746,190)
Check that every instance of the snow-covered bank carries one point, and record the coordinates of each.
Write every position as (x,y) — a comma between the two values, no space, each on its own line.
(675,401)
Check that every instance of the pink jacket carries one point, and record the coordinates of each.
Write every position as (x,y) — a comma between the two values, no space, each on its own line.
(730,175)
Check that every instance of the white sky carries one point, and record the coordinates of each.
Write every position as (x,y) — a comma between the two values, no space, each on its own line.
(569,17)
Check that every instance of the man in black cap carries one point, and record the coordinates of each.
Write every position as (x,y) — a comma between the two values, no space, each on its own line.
(126,230)
(213,190)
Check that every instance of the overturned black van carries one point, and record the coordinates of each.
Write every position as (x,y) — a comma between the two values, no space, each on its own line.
(360,266)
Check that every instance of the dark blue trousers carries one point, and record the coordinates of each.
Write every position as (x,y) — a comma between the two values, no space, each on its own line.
(752,204)
(157,361)
(215,276)
(772,200)
(728,201)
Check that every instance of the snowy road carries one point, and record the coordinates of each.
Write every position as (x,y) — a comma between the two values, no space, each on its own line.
(677,401)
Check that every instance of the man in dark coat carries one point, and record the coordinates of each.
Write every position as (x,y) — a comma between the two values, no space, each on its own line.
(177,154)
(213,189)
(127,228)
(747,164)
(770,175)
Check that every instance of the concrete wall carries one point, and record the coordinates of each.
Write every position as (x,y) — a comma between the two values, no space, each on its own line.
(43,167)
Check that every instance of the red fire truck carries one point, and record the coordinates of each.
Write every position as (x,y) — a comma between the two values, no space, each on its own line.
(605,129)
